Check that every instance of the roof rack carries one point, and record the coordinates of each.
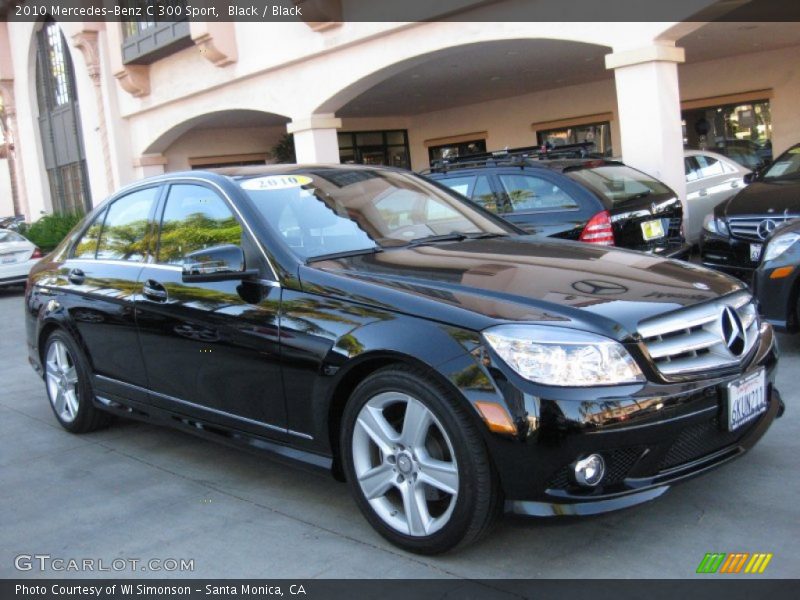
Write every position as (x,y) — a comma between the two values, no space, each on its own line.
(515,156)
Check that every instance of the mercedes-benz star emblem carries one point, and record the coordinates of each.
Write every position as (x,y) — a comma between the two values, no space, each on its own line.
(766,227)
(598,287)
(733,332)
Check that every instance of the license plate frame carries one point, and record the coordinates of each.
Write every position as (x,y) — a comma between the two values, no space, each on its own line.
(653,229)
(755,252)
(747,392)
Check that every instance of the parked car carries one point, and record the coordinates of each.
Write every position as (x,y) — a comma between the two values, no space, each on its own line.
(380,327)
(17,257)
(733,236)
(710,179)
(587,199)
(12,223)
(777,278)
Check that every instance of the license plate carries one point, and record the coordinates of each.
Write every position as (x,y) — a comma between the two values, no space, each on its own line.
(7,259)
(652,230)
(747,398)
(755,252)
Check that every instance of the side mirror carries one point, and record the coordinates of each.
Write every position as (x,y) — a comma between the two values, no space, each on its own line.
(750,177)
(219,263)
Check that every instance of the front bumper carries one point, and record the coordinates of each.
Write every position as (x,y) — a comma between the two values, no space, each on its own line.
(651,436)
(727,254)
(778,297)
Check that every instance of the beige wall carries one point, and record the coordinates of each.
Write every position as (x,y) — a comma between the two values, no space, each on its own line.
(199,143)
(6,202)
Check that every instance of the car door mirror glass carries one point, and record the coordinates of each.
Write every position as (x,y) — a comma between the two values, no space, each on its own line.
(225,260)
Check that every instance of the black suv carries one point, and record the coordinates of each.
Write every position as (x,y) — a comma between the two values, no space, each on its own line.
(553,193)
(374,325)
(733,237)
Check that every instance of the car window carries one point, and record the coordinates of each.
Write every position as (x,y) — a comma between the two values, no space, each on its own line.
(787,165)
(86,247)
(618,183)
(527,193)
(10,236)
(195,218)
(692,168)
(320,211)
(462,185)
(709,166)
(124,233)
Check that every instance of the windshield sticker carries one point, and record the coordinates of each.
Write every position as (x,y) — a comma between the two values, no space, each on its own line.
(276,182)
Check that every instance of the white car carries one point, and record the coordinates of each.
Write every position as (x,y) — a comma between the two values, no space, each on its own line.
(17,256)
(710,179)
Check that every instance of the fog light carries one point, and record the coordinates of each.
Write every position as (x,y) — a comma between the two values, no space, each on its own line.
(590,470)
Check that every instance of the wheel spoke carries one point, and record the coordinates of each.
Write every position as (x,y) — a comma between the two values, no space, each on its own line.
(59,401)
(439,474)
(372,421)
(377,481)
(415,424)
(61,356)
(52,378)
(72,375)
(416,510)
(71,403)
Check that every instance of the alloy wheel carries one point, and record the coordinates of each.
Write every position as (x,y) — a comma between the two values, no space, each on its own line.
(62,381)
(405,464)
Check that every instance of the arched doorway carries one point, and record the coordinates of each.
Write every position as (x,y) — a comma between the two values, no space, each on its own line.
(59,122)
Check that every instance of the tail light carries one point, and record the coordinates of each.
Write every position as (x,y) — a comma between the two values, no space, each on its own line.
(37,253)
(598,230)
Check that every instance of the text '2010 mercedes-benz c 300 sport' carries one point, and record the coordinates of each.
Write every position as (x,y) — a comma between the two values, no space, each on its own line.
(376,325)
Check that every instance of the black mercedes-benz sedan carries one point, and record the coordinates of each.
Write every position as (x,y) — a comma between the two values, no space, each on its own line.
(377,326)
(733,236)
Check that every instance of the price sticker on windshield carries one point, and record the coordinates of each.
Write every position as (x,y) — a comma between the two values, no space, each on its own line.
(276,182)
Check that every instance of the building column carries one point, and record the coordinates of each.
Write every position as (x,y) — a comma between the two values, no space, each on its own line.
(649,108)
(315,139)
(149,165)
(17,175)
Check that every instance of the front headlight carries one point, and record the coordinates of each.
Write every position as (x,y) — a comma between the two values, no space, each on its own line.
(780,244)
(713,224)
(562,357)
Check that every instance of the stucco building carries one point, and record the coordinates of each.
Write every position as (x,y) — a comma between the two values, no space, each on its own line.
(91,106)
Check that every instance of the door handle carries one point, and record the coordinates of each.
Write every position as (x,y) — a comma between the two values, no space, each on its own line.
(76,276)
(154,291)
(703,192)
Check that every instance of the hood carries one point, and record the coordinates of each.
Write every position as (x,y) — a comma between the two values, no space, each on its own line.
(526,278)
(764,197)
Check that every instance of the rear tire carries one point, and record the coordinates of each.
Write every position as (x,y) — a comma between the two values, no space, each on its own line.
(416,463)
(67,379)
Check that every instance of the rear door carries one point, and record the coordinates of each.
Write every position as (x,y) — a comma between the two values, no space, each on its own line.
(211,349)
(709,182)
(97,284)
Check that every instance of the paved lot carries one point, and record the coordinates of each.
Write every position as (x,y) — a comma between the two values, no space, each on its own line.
(138,491)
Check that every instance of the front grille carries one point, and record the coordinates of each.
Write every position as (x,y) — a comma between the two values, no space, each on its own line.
(697,441)
(692,340)
(750,228)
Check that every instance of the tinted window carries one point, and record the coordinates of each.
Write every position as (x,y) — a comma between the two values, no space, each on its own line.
(618,183)
(323,211)
(87,244)
(10,236)
(124,234)
(195,218)
(462,185)
(787,165)
(527,193)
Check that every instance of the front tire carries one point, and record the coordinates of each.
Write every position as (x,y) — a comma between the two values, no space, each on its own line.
(68,382)
(416,463)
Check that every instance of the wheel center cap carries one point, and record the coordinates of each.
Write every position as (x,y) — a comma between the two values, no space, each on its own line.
(404,463)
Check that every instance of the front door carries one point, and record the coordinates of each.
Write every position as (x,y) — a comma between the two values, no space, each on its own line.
(210,349)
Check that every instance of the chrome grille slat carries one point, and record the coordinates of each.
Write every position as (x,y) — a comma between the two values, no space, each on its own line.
(747,227)
(691,340)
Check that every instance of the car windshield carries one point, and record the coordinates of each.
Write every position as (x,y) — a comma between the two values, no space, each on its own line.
(322,212)
(787,165)
(618,183)
(10,236)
